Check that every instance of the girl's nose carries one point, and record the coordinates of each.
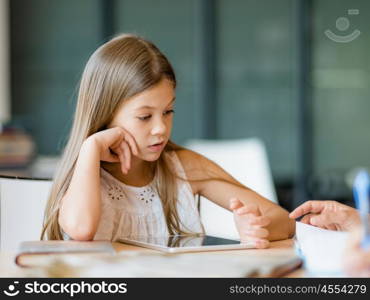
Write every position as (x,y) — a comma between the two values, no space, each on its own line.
(159,128)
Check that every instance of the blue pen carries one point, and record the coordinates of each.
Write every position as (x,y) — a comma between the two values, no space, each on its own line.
(361,191)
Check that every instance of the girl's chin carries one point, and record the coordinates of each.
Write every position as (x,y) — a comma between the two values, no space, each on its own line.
(151,156)
(154,157)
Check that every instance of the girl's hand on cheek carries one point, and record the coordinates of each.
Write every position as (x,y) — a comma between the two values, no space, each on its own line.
(250,223)
(124,150)
(115,145)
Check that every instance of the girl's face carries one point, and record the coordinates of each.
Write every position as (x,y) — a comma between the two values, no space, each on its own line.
(148,118)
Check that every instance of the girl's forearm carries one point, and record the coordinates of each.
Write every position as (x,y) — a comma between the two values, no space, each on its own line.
(80,210)
(281,226)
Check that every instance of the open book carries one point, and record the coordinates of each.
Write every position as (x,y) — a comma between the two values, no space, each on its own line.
(32,253)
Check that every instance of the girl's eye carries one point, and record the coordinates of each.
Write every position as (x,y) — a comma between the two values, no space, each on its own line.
(144,118)
(171,111)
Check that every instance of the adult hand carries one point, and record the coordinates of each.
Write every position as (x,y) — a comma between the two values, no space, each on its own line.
(327,214)
(250,223)
(356,260)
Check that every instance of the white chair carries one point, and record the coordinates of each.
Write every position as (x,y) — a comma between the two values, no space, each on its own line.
(246,160)
(22,204)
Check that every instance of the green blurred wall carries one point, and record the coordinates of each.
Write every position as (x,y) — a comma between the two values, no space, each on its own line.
(256,44)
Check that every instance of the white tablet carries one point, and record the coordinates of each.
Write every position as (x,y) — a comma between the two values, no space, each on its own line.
(186,243)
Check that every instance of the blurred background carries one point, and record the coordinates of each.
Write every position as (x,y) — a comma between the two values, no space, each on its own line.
(293,73)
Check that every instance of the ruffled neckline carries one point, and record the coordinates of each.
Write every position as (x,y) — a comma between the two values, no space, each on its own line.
(132,187)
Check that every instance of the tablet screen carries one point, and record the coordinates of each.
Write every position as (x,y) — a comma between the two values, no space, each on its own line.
(204,240)
(185,243)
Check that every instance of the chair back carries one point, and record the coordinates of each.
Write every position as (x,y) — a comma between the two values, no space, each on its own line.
(246,160)
(22,205)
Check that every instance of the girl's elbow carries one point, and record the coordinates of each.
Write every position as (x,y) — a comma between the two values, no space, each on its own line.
(82,235)
(80,231)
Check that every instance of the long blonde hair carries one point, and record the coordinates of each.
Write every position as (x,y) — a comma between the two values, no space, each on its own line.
(121,68)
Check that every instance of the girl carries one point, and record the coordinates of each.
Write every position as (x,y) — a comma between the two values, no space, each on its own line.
(121,175)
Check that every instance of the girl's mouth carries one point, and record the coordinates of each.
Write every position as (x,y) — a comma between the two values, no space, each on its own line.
(156,147)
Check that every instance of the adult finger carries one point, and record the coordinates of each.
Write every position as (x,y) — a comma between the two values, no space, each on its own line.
(312,206)
(331,227)
(356,260)
(323,221)
(306,219)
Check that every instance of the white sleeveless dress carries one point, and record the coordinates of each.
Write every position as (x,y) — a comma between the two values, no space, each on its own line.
(129,210)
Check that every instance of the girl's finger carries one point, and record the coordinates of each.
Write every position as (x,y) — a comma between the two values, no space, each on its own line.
(122,160)
(260,221)
(257,232)
(110,138)
(249,209)
(131,142)
(258,243)
(126,149)
(112,156)
(262,243)
(235,203)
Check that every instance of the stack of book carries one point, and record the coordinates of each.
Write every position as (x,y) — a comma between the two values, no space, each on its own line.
(16,149)
(36,253)
(99,259)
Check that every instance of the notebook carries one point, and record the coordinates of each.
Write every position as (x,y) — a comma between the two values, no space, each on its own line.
(32,252)
(322,250)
